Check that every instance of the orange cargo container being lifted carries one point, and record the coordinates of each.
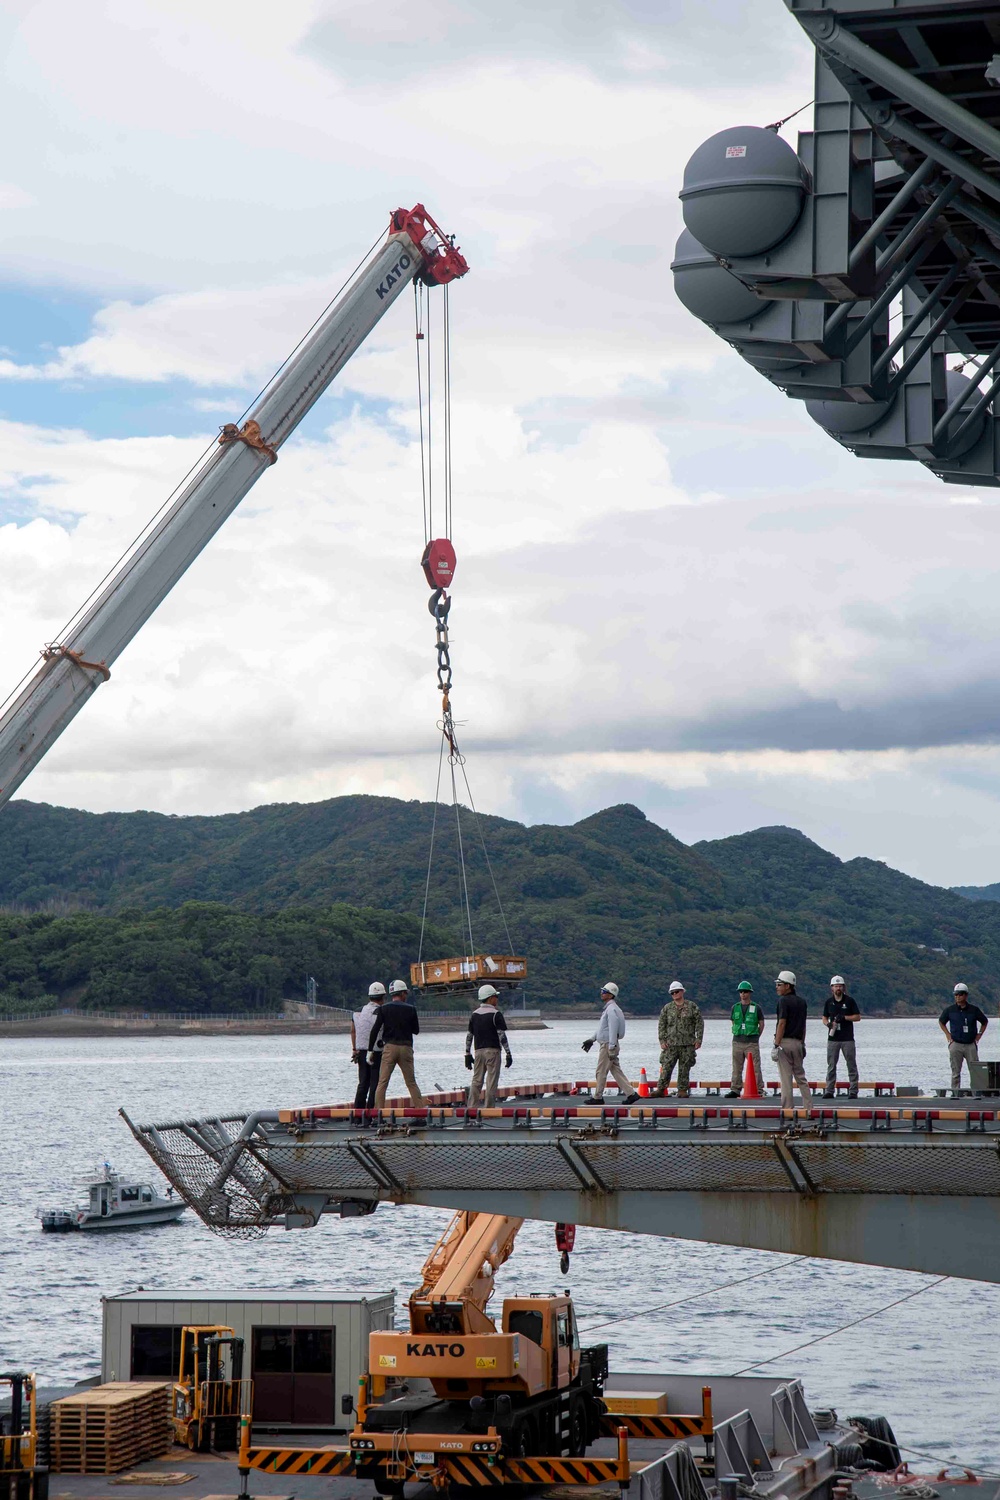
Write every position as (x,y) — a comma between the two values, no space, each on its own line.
(454,974)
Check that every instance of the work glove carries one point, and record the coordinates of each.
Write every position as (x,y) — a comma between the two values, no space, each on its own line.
(468,1061)
(369,1058)
(588,1044)
(509,1061)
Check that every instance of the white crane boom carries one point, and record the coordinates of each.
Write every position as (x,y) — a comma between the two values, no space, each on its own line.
(73,668)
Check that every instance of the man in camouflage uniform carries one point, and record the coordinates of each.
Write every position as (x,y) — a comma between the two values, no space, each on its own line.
(681,1031)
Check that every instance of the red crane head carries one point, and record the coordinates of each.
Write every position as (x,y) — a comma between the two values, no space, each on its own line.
(443,262)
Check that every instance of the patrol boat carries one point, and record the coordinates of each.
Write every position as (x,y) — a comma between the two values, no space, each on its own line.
(115,1202)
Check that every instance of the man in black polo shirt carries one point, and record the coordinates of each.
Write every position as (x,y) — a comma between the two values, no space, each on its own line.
(790,1040)
(396,1024)
(839,1016)
(488,1033)
(962,1025)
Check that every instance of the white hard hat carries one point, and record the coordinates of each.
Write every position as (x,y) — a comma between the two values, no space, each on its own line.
(397,987)
(675,985)
(838,979)
(609,989)
(375,989)
(961,989)
(786,977)
(487,992)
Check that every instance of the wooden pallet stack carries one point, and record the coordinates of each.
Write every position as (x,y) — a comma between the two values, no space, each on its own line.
(110,1428)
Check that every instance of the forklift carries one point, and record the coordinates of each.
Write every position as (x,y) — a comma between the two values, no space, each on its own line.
(210,1394)
(21,1477)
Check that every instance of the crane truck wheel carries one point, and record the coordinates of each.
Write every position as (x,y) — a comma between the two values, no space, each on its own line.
(522,1440)
(577,1439)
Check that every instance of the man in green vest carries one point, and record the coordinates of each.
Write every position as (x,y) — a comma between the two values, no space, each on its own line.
(748,1023)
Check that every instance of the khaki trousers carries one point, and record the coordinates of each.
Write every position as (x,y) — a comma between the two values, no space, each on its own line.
(607,1062)
(486,1066)
(395,1055)
(791,1064)
(961,1052)
(744,1047)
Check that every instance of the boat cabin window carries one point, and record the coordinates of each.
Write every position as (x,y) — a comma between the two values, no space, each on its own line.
(147,1195)
(129,1195)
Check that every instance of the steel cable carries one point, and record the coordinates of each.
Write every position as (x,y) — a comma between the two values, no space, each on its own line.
(844,1327)
(446,330)
(418,310)
(430,852)
(464,886)
(489,865)
(693,1296)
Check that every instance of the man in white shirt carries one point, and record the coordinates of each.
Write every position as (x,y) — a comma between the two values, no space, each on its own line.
(610,1030)
(362,1022)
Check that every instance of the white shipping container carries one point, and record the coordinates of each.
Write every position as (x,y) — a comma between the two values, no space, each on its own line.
(304,1350)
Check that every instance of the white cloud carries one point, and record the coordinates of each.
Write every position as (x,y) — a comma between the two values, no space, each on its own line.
(671,586)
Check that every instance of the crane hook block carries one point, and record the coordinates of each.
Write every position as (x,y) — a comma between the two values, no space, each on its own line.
(438,563)
(565,1237)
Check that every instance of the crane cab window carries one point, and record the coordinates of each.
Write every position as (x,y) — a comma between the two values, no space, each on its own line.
(528,1323)
(563,1331)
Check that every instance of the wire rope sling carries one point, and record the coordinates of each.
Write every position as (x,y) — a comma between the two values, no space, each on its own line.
(463,973)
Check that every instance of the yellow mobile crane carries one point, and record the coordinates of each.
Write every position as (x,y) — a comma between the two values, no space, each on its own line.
(530,1380)
(518,1404)
(498,1398)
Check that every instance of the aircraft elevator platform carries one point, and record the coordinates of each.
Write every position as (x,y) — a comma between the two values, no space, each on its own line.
(914,1186)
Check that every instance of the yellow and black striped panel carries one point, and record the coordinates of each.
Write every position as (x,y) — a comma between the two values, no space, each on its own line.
(468,1468)
(655,1427)
(301,1460)
(561,1470)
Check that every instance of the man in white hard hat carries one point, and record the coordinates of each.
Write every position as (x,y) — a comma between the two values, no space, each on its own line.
(610,1030)
(790,1040)
(362,1022)
(396,1024)
(963,1025)
(839,1016)
(681,1031)
(487,1033)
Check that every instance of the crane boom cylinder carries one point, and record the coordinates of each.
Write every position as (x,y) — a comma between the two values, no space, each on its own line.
(72,669)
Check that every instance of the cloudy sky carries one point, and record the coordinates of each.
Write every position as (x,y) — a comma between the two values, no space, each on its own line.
(672,589)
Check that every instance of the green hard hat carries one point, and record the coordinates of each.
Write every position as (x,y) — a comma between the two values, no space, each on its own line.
(745,984)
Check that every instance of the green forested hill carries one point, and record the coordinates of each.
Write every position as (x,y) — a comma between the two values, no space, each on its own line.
(201,957)
(611,896)
(978,892)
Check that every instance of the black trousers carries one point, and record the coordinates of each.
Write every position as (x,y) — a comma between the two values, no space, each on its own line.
(367,1081)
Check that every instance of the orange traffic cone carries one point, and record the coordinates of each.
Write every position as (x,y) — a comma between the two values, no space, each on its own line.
(643,1084)
(750,1088)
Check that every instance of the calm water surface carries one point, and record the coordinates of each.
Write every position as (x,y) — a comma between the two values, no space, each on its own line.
(930,1365)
